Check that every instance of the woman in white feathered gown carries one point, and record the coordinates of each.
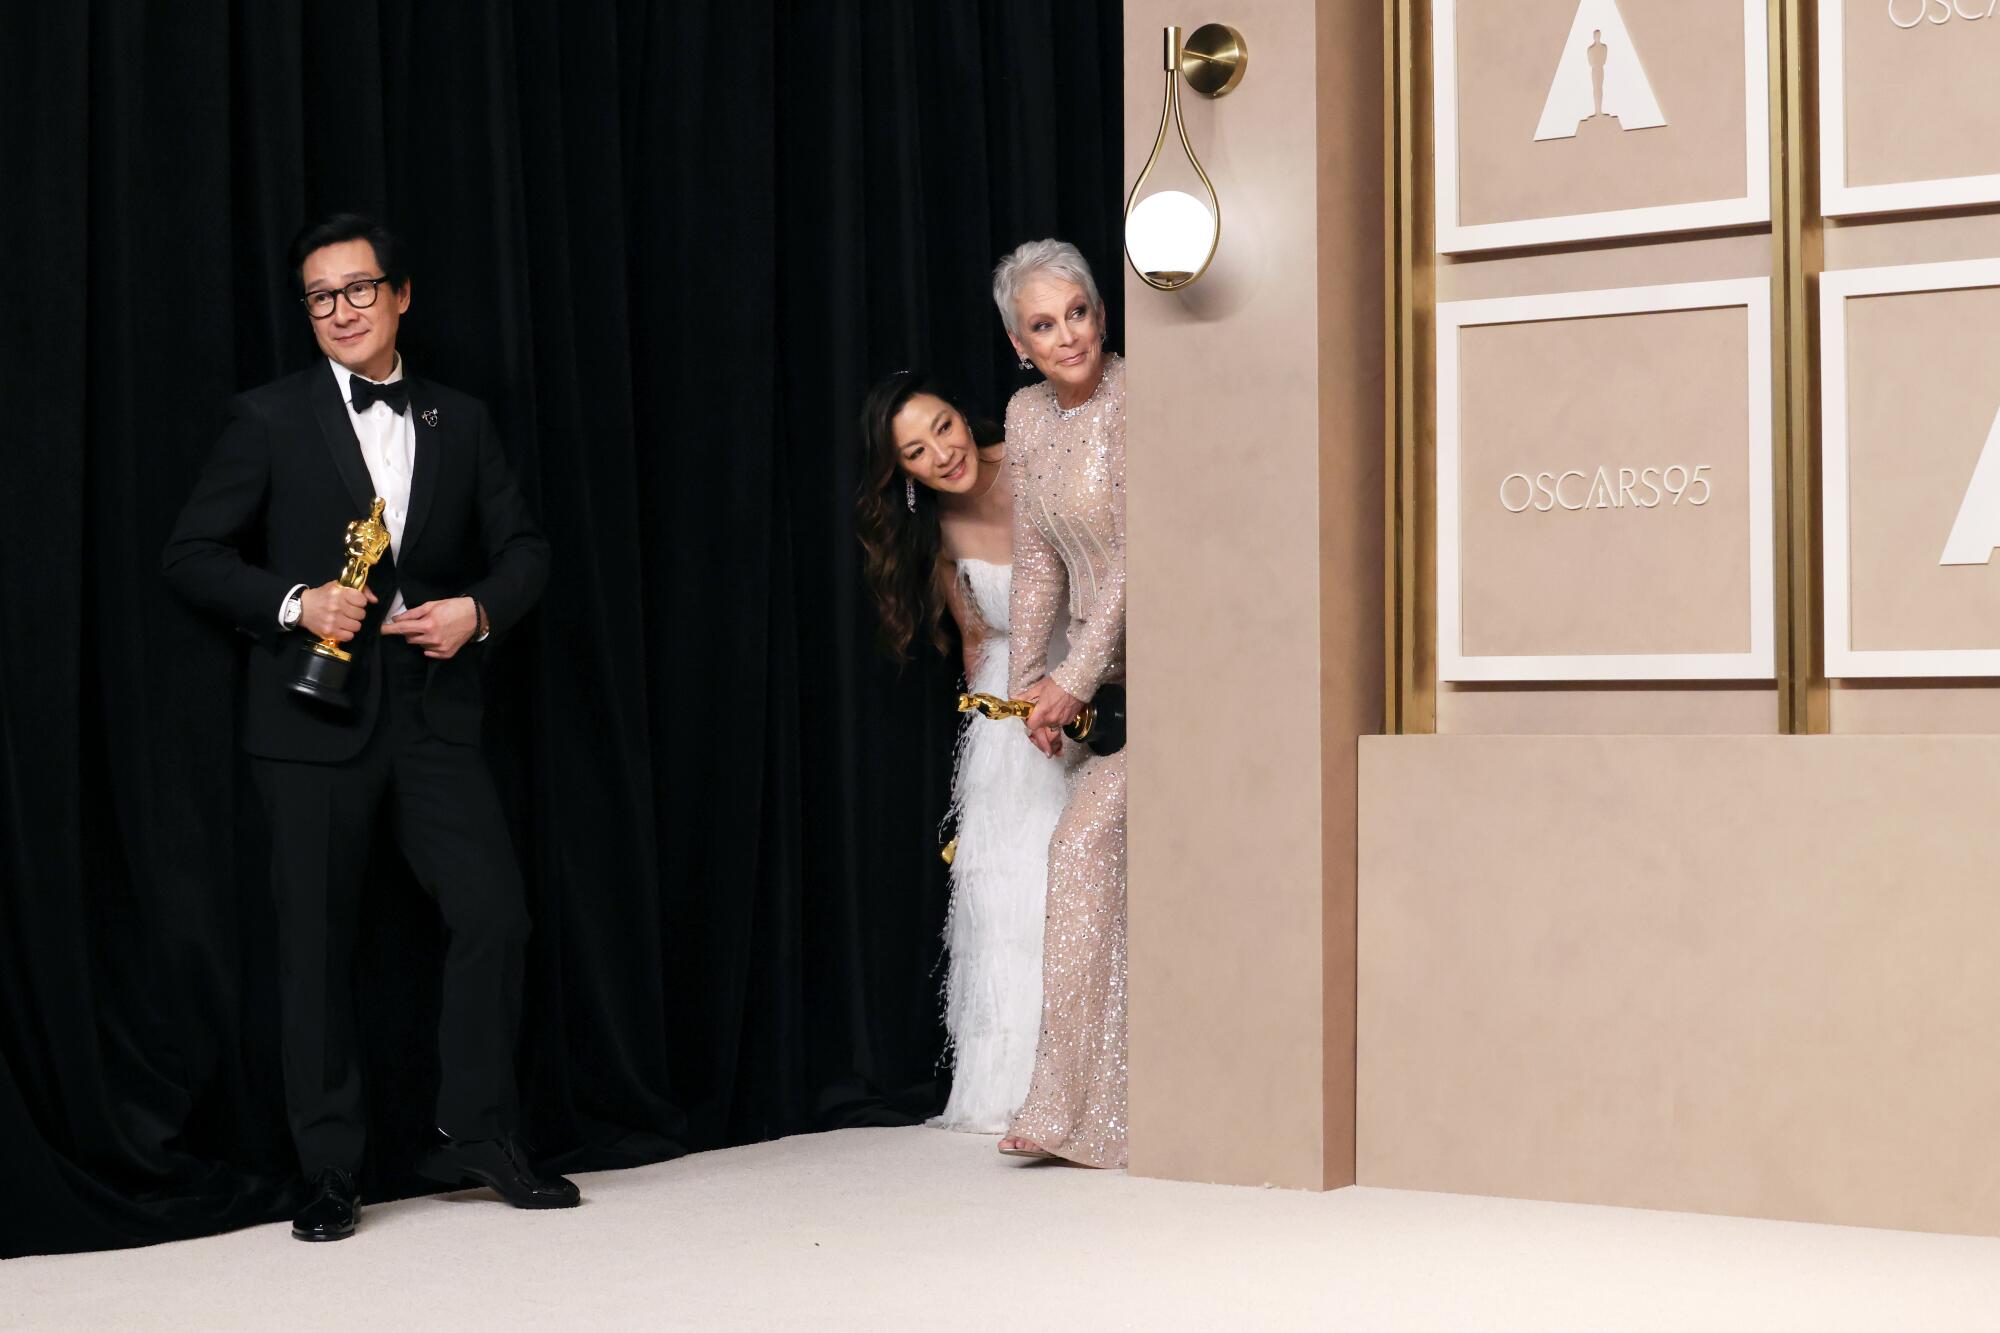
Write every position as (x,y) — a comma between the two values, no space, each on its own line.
(935,515)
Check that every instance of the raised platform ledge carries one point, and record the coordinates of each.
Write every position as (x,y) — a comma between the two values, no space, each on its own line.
(1755,975)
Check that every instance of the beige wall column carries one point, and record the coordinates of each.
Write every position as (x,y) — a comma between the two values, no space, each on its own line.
(1255,603)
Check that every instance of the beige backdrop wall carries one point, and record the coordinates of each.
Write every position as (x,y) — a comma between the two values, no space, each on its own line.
(1564,709)
(1921,396)
(1919,102)
(1507,66)
(1728,973)
(1658,389)
(1506,59)
(1717,974)
(1255,549)
(1927,706)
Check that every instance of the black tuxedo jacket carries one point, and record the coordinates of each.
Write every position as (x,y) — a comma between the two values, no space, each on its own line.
(271,510)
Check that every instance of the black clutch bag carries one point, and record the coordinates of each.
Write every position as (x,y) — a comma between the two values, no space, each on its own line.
(1100,727)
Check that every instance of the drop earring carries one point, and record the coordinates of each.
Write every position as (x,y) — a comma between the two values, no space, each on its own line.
(910,494)
(1026,364)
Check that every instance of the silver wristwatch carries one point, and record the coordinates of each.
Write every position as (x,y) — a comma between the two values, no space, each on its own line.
(289,613)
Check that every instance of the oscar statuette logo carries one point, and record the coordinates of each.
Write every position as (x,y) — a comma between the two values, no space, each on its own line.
(1599,80)
(1100,727)
(323,664)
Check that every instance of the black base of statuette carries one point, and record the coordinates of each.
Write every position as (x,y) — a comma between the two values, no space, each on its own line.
(1106,734)
(323,677)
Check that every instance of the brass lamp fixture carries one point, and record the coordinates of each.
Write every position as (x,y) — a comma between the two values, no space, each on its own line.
(1171,237)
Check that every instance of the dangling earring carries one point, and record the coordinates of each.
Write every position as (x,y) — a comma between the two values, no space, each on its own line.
(1027,364)
(910,494)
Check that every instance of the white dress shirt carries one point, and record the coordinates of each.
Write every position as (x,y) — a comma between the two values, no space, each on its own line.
(389,447)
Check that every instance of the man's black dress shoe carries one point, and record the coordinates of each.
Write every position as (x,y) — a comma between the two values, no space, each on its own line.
(501,1165)
(333,1210)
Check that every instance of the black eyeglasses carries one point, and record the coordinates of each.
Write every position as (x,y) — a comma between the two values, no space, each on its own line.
(360,294)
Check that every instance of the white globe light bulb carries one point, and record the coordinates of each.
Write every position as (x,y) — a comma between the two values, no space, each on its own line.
(1170,235)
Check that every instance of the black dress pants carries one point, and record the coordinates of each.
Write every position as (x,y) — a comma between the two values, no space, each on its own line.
(440,803)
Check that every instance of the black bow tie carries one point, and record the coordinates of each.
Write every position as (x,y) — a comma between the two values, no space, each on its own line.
(366,393)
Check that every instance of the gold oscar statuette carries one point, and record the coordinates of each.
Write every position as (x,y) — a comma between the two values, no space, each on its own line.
(1100,726)
(324,664)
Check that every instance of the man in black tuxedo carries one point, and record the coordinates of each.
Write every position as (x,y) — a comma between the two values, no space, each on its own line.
(298,460)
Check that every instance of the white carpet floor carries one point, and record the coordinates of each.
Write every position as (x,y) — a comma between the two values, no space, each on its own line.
(919,1229)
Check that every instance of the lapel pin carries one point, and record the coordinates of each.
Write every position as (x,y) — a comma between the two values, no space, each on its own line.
(430,415)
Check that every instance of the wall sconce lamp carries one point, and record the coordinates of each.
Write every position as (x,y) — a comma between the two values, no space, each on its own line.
(1171,236)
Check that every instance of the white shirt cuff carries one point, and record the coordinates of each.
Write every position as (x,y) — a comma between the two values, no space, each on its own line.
(297,589)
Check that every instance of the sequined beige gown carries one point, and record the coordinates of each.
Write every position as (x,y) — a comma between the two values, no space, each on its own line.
(1068,470)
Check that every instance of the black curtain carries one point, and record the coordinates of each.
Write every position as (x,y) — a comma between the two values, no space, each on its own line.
(670,245)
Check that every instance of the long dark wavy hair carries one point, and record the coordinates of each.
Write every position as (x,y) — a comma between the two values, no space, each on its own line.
(900,546)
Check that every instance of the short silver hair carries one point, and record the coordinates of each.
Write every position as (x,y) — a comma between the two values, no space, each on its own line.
(1032,259)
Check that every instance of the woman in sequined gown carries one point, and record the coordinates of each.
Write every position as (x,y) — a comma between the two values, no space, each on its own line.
(1066,456)
(935,514)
